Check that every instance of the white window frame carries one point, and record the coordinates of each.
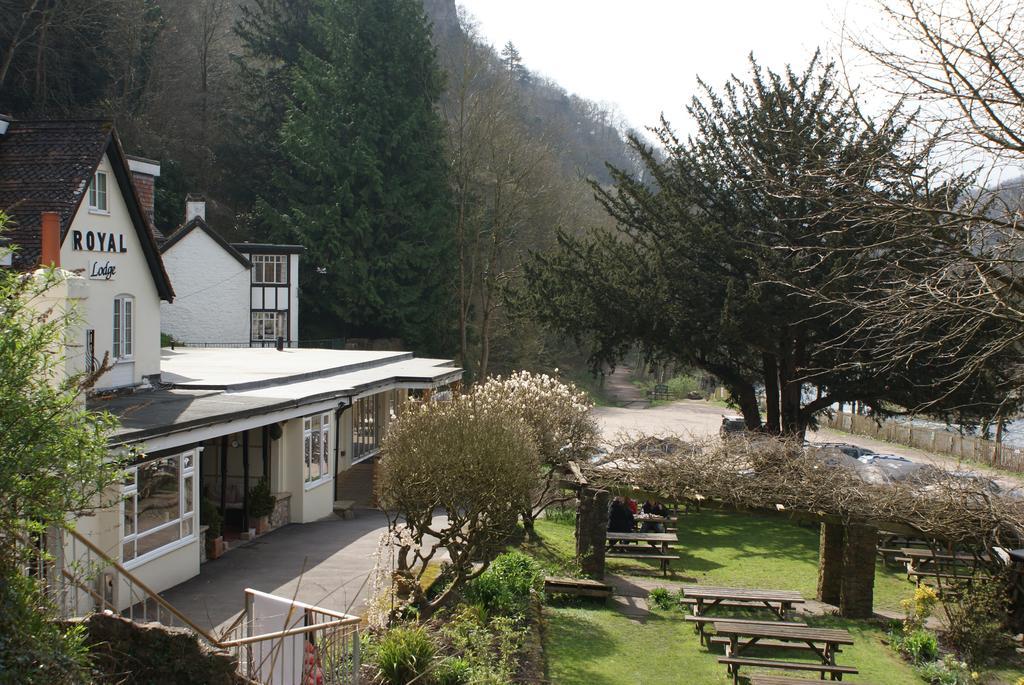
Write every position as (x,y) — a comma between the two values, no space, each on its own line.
(122,343)
(262,263)
(366,416)
(99,196)
(324,455)
(186,521)
(258,319)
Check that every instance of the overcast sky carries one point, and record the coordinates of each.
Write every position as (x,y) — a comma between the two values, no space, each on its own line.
(644,56)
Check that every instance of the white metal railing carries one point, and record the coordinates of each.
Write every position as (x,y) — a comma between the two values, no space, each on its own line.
(276,641)
(280,641)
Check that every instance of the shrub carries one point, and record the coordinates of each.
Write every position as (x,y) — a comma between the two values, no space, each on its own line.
(949,671)
(918,608)
(261,502)
(920,646)
(404,654)
(661,597)
(505,587)
(453,671)
(975,621)
(210,516)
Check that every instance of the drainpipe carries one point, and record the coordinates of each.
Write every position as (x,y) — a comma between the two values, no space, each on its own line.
(342,406)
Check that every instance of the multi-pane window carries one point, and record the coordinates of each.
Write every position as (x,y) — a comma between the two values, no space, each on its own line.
(124,326)
(316,446)
(269,268)
(158,505)
(366,427)
(98,192)
(269,325)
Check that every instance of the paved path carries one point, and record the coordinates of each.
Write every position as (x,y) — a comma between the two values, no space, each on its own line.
(326,563)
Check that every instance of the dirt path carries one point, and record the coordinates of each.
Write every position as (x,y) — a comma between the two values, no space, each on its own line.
(698,419)
(621,391)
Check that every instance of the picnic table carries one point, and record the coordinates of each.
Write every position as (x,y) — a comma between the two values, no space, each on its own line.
(703,599)
(619,547)
(824,642)
(926,563)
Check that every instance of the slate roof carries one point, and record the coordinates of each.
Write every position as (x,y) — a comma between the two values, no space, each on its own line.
(46,166)
(200,223)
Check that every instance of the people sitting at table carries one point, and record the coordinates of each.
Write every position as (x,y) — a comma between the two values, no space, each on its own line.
(620,518)
(631,505)
(653,508)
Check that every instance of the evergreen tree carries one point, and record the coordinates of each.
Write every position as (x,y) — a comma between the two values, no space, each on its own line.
(364,184)
(512,59)
(711,266)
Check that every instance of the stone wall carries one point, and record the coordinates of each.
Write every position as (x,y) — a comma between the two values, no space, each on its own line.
(133,653)
(281,516)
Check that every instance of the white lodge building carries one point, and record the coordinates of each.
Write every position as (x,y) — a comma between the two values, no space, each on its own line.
(200,422)
(241,294)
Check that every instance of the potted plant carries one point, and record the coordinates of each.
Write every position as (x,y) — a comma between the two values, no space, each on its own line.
(210,517)
(261,505)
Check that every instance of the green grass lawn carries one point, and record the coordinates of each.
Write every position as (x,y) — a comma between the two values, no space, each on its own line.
(733,550)
(591,644)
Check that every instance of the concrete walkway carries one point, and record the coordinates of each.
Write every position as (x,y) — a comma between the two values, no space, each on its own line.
(326,563)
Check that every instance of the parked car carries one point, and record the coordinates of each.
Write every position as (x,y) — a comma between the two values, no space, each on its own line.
(849,450)
(732,426)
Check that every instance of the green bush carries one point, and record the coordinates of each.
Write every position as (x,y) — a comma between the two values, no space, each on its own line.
(661,597)
(34,648)
(453,671)
(976,618)
(681,386)
(209,515)
(404,654)
(949,671)
(920,646)
(261,502)
(505,587)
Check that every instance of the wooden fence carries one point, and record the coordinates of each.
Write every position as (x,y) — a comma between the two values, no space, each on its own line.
(964,447)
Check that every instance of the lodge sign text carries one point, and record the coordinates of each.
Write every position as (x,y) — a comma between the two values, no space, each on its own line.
(97,241)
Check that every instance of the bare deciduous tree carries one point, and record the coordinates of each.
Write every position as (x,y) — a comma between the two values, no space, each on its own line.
(453,476)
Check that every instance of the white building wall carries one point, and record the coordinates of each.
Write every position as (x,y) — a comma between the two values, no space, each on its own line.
(293,304)
(211,287)
(132,276)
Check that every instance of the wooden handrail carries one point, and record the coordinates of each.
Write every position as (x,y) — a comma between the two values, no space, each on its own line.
(145,588)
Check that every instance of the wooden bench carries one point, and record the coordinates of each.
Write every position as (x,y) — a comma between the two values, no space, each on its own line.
(580,587)
(345,508)
(701,621)
(655,555)
(736,662)
(760,679)
(767,644)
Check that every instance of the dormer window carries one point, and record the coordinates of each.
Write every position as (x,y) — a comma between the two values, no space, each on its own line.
(98,192)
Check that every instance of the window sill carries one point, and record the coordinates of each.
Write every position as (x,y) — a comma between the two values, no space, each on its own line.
(99,212)
(159,552)
(317,483)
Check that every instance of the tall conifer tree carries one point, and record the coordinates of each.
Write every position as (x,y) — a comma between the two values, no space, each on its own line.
(363,185)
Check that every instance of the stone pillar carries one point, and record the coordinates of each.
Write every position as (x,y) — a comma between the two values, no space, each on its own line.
(591,531)
(857,597)
(830,563)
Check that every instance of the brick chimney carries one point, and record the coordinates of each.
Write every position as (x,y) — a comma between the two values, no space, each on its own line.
(144,175)
(49,239)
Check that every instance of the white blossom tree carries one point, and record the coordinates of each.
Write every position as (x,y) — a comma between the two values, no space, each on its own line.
(559,416)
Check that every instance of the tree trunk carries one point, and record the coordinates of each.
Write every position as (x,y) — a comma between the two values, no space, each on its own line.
(830,563)
(858,590)
(591,531)
(771,393)
(747,399)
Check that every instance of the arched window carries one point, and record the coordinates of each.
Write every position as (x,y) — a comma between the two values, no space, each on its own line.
(124,327)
